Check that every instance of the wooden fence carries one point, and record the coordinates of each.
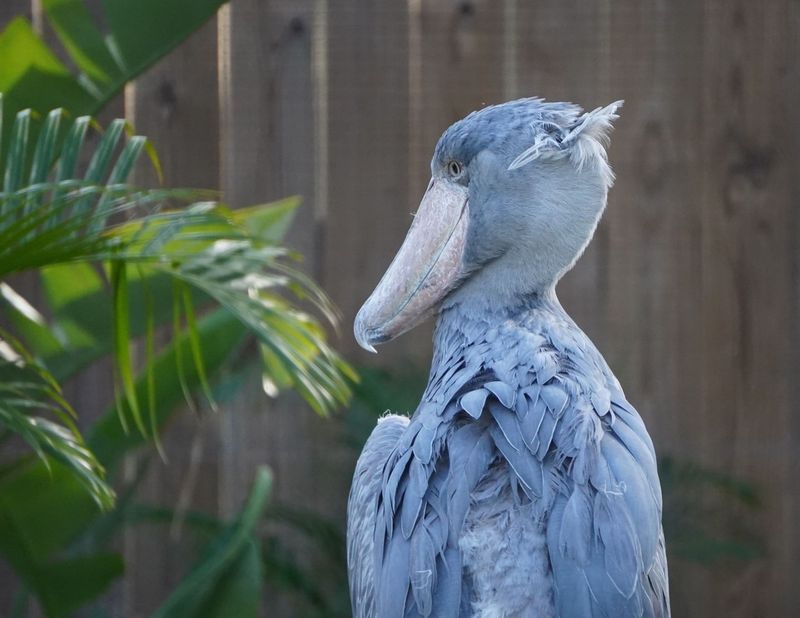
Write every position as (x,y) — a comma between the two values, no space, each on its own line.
(690,287)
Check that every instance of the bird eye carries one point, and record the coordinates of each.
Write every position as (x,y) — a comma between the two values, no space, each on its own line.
(455,168)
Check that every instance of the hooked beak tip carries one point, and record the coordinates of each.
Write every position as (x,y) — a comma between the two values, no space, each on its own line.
(368,347)
(364,335)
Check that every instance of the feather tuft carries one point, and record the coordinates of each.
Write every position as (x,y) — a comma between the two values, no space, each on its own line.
(472,403)
(575,539)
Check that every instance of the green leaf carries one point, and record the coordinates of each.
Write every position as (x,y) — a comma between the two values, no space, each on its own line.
(122,343)
(72,147)
(141,32)
(227,579)
(42,513)
(238,591)
(18,153)
(82,310)
(83,41)
(66,585)
(220,335)
(119,174)
(43,435)
(268,222)
(20,50)
(41,510)
(102,157)
(180,354)
(46,146)
(295,345)
(26,389)
(28,322)
(194,344)
(150,353)
(80,304)
(38,516)
(31,76)
(133,36)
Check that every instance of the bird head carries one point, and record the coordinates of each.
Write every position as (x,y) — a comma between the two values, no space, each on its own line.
(515,195)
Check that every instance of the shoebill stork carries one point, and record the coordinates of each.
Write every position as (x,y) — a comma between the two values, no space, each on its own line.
(524,484)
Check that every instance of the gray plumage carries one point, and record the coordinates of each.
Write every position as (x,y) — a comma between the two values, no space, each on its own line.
(524,484)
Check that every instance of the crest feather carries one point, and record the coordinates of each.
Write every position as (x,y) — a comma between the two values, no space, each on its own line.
(584,141)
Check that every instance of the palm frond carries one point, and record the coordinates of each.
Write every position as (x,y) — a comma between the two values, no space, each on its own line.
(251,282)
(53,213)
(27,390)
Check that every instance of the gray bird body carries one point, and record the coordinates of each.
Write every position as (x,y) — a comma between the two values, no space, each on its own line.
(524,484)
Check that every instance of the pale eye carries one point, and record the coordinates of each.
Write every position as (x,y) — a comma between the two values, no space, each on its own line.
(455,168)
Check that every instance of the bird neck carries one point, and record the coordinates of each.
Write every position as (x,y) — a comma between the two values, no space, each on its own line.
(518,280)
(468,317)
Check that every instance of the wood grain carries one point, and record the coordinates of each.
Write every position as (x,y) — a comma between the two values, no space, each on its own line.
(175,104)
(268,96)
(749,276)
(654,296)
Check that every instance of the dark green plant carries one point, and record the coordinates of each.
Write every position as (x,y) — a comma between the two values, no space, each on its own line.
(119,264)
(228,579)
(703,511)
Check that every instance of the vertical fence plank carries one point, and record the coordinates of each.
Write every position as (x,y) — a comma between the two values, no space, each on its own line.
(367,202)
(654,282)
(750,288)
(268,145)
(654,290)
(175,105)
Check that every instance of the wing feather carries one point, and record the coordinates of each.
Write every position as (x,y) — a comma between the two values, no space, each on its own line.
(604,534)
(362,510)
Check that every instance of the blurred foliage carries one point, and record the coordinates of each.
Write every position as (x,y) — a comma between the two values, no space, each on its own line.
(203,254)
(703,511)
(119,265)
(227,580)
